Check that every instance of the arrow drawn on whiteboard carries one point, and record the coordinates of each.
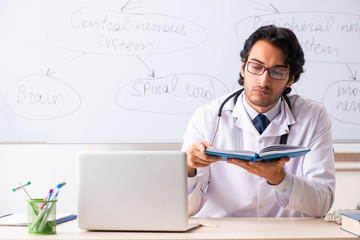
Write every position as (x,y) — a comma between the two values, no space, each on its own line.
(150,70)
(129,5)
(51,71)
(267,8)
(353,75)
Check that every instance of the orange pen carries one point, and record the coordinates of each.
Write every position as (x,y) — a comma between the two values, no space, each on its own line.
(46,198)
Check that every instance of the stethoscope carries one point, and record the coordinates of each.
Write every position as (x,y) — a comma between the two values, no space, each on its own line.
(235,95)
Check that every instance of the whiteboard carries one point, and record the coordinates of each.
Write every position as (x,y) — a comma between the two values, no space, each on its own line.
(134,71)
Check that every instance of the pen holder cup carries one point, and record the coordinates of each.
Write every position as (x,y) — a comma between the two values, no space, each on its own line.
(41,217)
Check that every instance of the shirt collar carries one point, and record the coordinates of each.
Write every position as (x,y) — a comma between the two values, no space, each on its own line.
(271,114)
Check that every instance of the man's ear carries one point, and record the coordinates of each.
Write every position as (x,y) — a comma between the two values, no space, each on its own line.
(242,68)
(290,82)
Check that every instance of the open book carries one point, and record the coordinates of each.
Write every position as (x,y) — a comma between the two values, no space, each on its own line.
(269,153)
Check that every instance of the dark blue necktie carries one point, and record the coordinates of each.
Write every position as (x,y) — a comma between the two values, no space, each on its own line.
(262,122)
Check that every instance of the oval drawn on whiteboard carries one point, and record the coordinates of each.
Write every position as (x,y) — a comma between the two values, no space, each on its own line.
(342,100)
(174,94)
(40,97)
(109,32)
(323,36)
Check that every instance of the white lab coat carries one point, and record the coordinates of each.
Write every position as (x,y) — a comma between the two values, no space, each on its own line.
(226,190)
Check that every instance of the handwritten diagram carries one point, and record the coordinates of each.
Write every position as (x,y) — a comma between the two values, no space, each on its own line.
(108,32)
(162,60)
(42,97)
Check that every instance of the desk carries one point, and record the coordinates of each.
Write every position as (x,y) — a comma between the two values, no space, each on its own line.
(229,228)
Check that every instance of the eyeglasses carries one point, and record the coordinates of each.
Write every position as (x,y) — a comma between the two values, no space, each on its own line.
(274,72)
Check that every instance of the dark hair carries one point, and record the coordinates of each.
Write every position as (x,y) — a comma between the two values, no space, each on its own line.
(283,38)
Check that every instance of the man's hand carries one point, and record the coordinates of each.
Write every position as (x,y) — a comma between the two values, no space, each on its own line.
(272,171)
(197,158)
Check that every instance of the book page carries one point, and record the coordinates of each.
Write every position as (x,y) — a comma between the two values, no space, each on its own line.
(281,148)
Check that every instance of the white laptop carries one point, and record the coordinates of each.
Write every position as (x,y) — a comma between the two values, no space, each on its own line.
(132,191)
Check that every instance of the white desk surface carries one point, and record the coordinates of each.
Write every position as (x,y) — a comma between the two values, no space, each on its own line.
(228,228)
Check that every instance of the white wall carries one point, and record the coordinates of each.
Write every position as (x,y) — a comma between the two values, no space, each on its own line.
(47,164)
(347,193)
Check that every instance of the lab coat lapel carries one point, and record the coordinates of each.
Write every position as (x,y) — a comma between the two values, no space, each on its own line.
(242,119)
(280,125)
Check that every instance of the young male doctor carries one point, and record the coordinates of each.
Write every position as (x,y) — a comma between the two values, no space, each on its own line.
(272,60)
